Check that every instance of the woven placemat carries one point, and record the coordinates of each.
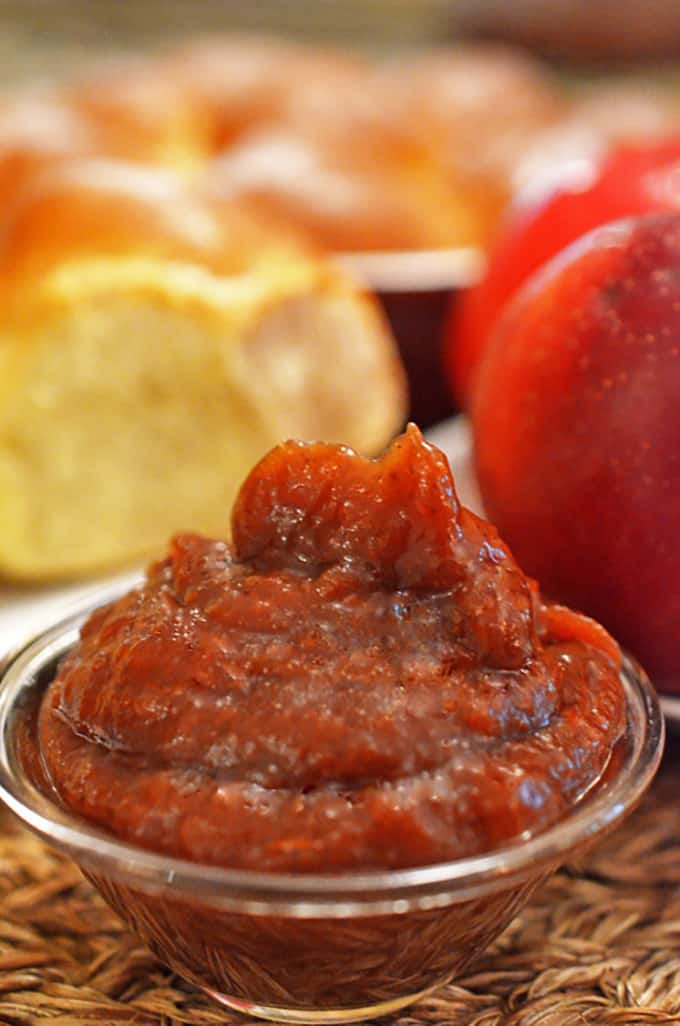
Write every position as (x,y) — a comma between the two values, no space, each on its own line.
(600,943)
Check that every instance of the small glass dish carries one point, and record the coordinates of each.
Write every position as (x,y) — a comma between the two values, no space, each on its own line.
(323,949)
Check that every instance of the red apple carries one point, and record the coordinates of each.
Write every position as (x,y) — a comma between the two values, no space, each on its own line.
(576,421)
(631,180)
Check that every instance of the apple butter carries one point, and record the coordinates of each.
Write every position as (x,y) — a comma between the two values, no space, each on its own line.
(362,678)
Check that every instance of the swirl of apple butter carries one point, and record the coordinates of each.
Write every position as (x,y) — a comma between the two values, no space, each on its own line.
(363,678)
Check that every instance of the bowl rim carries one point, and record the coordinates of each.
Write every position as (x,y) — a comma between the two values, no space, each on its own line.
(371,892)
(414,270)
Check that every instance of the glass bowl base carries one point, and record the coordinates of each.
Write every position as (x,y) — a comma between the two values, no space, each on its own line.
(327,1015)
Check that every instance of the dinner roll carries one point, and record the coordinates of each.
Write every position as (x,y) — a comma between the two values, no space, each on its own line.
(478,107)
(154,346)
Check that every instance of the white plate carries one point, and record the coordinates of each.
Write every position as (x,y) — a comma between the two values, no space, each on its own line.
(24,612)
(454,438)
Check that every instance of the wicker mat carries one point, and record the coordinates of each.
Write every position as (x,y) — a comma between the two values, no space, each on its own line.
(599,944)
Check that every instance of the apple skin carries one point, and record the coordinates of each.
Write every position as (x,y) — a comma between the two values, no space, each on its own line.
(576,421)
(630,180)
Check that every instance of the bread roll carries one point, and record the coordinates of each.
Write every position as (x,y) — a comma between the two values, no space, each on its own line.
(38,130)
(340,151)
(478,108)
(136,112)
(340,199)
(154,347)
(342,167)
(238,84)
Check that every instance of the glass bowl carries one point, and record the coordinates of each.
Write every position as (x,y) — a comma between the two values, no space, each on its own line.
(310,948)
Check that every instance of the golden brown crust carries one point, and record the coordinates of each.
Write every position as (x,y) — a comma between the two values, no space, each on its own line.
(98,208)
(341,199)
(312,142)
(137,113)
(153,346)
(343,152)
(478,107)
(239,83)
(360,156)
(39,130)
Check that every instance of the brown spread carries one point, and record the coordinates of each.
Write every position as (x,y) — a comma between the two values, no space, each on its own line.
(363,678)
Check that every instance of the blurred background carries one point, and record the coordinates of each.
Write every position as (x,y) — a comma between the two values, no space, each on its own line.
(44,37)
